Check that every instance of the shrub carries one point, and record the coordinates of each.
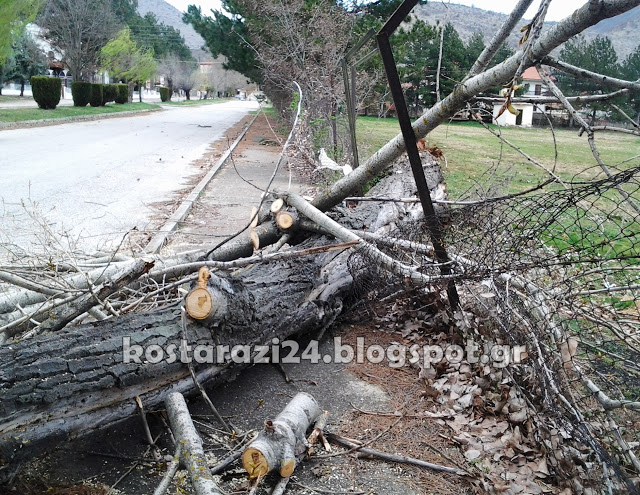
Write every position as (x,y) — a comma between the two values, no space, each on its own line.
(109,93)
(164,93)
(122,95)
(81,92)
(96,95)
(46,91)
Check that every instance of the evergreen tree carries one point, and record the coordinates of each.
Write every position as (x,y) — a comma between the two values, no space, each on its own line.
(599,56)
(27,60)
(416,53)
(631,71)
(164,40)
(474,48)
(227,34)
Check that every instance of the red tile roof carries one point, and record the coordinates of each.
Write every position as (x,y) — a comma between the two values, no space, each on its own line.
(531,73)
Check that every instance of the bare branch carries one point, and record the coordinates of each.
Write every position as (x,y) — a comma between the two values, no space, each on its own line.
(594,76)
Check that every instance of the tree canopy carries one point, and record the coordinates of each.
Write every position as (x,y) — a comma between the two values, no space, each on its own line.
(79,29)
(26,60)
(597,55)
(227,34)
(125,60)
(165,40)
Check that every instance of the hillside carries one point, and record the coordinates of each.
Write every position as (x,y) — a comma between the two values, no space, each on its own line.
(623,30)
(171,16)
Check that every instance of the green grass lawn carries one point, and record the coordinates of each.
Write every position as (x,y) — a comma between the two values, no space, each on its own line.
(208,101)
(22,114)
(477,160)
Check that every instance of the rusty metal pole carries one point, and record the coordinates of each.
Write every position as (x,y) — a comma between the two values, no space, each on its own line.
(435,229)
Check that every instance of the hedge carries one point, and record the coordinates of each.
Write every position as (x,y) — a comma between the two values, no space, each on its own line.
(46,91)
(81,92)
(109,93)
(164,93)
(96,95)
(122,95)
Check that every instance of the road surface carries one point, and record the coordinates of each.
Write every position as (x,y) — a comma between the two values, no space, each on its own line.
(96,180)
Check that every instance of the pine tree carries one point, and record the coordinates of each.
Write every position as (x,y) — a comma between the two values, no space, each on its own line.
(27,60)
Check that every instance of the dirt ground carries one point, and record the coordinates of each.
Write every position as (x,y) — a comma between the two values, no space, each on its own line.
(365,401)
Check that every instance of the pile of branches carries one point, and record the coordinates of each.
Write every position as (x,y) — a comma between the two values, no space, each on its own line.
(554,270)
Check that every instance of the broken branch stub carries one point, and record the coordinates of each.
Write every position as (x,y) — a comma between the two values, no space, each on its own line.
(205,302)
(283,437)
(286,220)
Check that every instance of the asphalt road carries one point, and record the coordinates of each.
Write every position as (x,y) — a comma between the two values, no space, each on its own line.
(95,180)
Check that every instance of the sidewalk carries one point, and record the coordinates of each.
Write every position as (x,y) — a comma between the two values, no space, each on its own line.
(225,205)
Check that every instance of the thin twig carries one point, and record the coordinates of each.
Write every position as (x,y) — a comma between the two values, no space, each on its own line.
(369,442)
(396,458)
(273,176)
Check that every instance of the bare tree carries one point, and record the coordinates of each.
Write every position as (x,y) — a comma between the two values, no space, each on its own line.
(172,68)
(79,29)
(187,80)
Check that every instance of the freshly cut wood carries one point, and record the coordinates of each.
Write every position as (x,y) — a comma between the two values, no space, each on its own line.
(206,302)
(277,205)
(192,455)
(59,386)
(282,438)
(286,219)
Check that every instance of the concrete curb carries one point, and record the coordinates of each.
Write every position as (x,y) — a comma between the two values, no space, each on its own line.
(158,240)
(26,124)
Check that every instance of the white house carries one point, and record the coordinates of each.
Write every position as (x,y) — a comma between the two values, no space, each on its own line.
(534,86)
(532,80)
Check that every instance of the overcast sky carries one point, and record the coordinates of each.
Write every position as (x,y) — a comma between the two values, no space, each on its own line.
(558,10)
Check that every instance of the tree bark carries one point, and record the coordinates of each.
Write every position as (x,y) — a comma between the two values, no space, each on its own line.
(191,455)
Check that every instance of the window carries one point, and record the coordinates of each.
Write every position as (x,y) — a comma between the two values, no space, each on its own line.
(538,89)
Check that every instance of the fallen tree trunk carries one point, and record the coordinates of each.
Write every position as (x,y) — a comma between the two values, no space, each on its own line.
(79,379)
(69,383)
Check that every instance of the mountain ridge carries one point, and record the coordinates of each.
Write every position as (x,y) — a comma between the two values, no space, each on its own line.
(622,30)
(171,16)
